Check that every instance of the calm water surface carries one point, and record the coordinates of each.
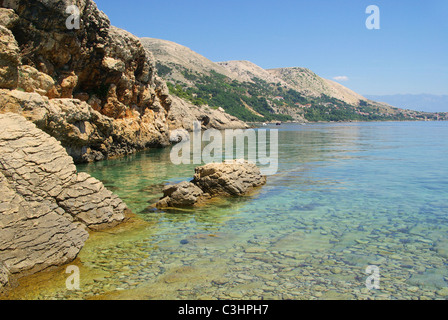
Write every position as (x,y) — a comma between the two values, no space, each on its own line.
(346,196)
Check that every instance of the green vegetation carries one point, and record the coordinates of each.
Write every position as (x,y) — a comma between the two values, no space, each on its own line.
(163,70)
(185,94)
(217,90)
(254,102)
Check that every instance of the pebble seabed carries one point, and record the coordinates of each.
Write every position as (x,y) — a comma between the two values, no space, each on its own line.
(125,263)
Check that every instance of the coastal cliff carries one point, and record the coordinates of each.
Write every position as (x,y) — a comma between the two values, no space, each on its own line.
(95,88)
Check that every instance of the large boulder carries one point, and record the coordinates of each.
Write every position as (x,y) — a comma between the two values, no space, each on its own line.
(86,134)
(32,80)
(46,207)
(232,178)
(183,194)
(34,235)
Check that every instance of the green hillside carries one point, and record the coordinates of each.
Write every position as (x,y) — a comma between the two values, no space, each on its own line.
(235,97)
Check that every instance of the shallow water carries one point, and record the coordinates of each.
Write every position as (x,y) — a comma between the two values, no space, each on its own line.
(346,196)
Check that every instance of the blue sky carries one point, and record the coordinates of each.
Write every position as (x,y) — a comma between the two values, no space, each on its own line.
(409,54)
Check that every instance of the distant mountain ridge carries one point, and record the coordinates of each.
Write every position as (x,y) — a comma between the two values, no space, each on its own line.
(310,84)
(419,102)
(248,71)
(174,57)
(252,93)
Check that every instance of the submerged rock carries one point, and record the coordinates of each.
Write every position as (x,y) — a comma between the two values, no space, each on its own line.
(46,207)
(235,178)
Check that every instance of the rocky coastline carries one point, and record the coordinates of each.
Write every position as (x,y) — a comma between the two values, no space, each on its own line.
(72,96)
(95,88)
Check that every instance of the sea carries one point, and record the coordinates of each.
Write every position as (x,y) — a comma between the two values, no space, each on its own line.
(356,211)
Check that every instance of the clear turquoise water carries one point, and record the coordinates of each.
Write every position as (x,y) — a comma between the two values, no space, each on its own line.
(346,196)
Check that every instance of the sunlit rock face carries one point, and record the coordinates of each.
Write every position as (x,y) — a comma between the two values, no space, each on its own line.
(121,105)
(103,67)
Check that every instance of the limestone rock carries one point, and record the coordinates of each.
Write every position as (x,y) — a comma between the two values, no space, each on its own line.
(235,178)
(31,80)
(67,84)
(8,18)
(4,277)
(34,235)
(100,64)
(32,106)
(86,134)
(179,135)
(91,203)
(45,206)
(9,59)
(183,194)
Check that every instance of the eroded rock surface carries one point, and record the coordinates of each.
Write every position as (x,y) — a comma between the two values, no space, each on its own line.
(234,178)
(86,134)
(46,208)
(109,100)
(9,59)
(183,194)
(98,89)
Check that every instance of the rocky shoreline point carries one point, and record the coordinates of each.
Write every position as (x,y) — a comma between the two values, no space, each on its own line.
(231,178)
